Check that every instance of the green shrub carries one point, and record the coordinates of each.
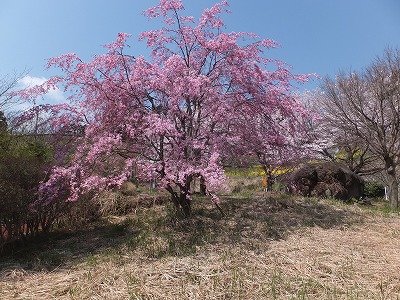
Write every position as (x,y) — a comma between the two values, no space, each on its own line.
(24,163)
(374,189)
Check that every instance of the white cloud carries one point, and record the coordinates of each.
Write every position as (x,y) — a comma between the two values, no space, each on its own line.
(52,97)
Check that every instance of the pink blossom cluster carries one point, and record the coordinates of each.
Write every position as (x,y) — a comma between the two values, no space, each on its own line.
(203,94)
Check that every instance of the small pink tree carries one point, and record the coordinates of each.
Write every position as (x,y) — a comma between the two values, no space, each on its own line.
(168,117)
(277,139)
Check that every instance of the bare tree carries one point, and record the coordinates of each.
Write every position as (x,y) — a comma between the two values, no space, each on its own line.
(8,85)
(9,109)
(328,141)
(362,109)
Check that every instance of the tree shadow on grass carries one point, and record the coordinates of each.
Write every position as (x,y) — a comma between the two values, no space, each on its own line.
(157,232)
(63,248)
(266,218)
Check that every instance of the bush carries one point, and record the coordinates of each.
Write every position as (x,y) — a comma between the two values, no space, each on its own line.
(374,189)
(23,165)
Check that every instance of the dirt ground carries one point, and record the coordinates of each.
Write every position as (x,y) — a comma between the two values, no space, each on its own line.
(264,248)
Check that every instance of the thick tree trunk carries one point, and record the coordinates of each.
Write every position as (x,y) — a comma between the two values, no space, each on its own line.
(393,191)
(185,204)
(393,183)
(203,187)
(181,201)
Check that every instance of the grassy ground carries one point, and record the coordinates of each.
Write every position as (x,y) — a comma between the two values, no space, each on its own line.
(268,246)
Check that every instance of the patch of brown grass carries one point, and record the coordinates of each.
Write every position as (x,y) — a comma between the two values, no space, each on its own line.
(266,247)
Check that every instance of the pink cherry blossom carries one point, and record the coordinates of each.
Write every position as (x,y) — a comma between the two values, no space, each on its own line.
(202,95)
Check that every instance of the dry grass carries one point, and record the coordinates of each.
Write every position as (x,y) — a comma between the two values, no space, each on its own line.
(272,247)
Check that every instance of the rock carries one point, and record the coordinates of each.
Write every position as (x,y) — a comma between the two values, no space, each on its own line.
(326,180)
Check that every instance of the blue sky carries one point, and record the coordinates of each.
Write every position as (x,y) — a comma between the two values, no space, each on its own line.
(317,36)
